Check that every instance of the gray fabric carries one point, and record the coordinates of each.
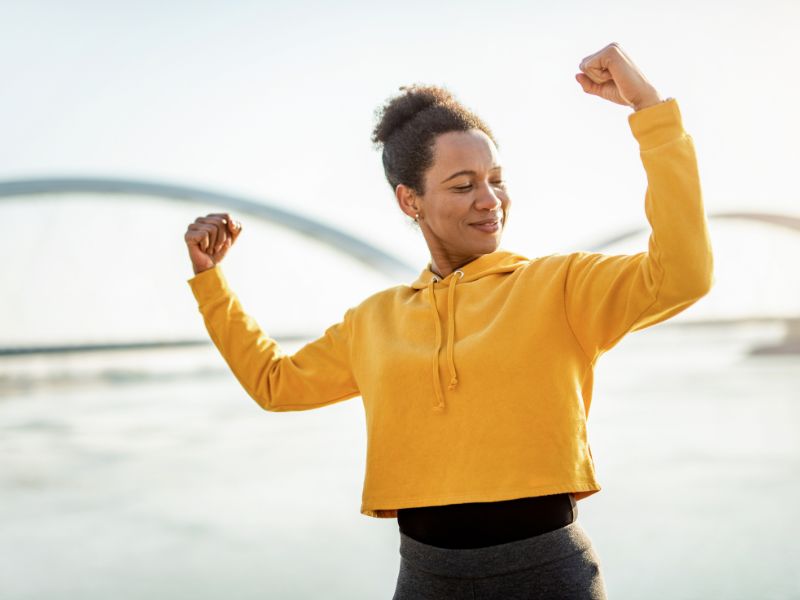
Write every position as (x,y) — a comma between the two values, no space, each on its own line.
(559,564)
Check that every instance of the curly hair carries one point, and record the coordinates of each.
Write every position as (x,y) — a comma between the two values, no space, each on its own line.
(407,128)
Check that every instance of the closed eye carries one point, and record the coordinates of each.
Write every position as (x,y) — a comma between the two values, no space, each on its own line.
(464,188)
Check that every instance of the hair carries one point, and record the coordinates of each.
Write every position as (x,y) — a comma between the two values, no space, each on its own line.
(407,126)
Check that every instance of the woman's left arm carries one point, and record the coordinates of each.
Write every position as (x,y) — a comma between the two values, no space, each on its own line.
(606,296)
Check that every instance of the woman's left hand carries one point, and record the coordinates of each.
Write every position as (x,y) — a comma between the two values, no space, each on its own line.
(611,74)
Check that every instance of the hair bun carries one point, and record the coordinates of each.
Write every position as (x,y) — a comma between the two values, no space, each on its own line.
(399,110)
(407,126)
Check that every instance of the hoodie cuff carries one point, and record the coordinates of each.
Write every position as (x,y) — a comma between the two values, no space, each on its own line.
(209,285)
(657,124)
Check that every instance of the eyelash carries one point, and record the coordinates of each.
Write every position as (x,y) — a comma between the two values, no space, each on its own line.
(464,188)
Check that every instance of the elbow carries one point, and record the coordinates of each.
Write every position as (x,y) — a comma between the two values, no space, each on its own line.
(260,392)
(265,405)
(699,291)
(262,400)
(708,283)
(707,279)
(701,280)
(688,284)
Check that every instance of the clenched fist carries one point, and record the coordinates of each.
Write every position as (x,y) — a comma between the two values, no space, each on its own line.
(209,238)
(611,74)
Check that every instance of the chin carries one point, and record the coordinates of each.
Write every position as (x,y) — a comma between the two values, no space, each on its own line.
(489,246)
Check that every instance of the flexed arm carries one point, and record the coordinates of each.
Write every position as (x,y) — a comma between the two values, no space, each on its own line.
(607,296)
(316,375)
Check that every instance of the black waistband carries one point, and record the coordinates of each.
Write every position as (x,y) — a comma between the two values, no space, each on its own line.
(480,524)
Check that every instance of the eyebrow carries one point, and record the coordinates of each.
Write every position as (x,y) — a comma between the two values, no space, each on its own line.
(467,172)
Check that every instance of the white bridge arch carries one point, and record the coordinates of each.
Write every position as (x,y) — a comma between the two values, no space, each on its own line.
(367,254)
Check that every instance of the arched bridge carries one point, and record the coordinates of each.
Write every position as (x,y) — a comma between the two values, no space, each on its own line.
(372,256)
(362,251)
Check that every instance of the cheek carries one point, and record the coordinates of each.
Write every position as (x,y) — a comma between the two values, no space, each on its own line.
(452,213)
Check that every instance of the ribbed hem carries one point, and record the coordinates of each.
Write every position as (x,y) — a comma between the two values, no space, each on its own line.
(657,124)
(579,490)
(209,285)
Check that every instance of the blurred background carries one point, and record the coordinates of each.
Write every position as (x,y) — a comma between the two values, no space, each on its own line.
(132,463)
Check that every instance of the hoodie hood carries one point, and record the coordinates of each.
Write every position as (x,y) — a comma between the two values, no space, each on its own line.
(499,261)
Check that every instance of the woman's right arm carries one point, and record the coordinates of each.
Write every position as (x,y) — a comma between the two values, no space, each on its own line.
(316,375)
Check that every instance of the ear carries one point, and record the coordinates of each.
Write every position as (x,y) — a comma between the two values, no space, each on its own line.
(407,200)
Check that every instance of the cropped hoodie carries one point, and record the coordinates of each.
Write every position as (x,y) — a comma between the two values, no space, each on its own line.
(477,386)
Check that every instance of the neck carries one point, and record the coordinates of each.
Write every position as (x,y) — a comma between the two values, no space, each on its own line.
(443,266)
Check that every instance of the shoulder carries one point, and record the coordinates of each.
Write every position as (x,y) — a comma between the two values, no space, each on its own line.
(551,264)
(383,298)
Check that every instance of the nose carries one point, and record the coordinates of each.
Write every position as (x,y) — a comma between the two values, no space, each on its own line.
(487,199)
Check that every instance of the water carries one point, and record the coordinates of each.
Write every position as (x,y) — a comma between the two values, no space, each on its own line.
(166,480)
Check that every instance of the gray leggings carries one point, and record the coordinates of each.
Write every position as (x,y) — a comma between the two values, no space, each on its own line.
(558,564)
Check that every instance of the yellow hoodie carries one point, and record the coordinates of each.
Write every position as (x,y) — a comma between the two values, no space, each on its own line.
(477,387)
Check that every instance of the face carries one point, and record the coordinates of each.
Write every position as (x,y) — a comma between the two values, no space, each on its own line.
(465,205)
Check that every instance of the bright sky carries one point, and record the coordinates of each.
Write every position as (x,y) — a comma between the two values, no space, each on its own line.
(276,100)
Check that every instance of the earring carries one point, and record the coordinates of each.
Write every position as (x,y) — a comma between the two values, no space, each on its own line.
(416,218)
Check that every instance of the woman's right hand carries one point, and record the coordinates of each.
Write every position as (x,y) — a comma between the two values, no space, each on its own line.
(209,238)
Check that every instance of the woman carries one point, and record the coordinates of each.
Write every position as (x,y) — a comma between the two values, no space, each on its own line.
(477,378)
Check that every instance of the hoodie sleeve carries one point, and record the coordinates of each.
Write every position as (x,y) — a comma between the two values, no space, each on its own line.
(607,296)
(317,374)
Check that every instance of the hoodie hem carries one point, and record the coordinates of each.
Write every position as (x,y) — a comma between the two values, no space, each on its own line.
(581,490)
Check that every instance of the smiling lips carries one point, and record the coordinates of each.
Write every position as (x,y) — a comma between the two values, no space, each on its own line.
(488,225)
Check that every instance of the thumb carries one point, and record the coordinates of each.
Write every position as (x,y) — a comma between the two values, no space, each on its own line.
(589,86)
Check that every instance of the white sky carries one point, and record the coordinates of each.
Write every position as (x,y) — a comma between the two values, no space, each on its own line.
(276,100)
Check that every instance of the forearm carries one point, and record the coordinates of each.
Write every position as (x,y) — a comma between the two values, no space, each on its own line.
(249,353)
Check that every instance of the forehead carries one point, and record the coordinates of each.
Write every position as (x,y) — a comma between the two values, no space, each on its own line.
(471,149)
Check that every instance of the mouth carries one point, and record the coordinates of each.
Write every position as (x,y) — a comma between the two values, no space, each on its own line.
(487,225)
(490,225)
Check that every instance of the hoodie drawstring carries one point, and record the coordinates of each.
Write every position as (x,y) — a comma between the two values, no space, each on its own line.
(451,324)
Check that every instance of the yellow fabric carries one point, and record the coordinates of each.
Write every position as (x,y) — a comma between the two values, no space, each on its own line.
(521,340)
